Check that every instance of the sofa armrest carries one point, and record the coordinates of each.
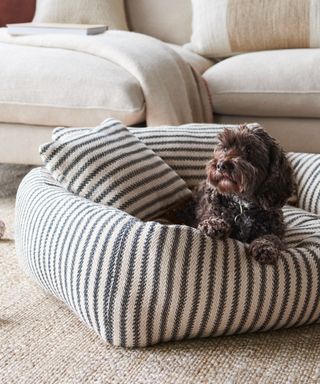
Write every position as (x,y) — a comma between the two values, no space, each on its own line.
(306,168)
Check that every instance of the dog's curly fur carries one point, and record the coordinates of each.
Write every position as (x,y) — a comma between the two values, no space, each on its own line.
(248,181)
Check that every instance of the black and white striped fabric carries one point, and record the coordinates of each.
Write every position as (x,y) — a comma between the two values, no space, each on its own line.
(109,165)
(138,284)
(187,149)
(306,167)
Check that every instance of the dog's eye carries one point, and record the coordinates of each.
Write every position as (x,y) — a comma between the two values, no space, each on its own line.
(225,149)
(247,151)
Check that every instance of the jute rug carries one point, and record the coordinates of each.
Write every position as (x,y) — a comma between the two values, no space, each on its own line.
(41,341)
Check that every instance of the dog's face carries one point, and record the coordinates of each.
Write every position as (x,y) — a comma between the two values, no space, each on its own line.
(244,160)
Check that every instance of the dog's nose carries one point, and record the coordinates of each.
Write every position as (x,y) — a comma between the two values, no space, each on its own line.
(221,166)
(225,166)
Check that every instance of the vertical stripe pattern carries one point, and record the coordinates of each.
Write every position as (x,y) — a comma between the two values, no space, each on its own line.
(137,284)
(189,148)
(306,169)
(186,150)
(109,165)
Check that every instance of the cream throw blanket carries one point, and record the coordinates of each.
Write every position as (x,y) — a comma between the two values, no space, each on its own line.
(174,93)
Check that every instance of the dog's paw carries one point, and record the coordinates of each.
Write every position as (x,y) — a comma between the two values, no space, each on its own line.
(264,251)
(215,227)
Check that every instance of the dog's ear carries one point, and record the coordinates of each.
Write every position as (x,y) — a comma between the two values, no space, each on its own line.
(279,183)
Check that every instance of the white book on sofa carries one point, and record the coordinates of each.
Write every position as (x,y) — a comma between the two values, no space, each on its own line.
(57,28)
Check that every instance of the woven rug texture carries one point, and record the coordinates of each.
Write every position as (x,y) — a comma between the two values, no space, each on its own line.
(41,341)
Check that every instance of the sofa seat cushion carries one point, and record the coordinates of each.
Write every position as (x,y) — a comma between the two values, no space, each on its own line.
(57,87)
(282,83)
(46,86)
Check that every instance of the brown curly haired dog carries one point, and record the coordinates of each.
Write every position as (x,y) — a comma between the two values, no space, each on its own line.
(248,181)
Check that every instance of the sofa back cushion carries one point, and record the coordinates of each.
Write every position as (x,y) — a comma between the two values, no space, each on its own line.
(109,12)
(16,11)
(225,27)
(166,20)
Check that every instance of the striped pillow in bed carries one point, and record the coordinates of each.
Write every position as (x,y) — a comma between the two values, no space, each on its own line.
(109,165)
(187,149)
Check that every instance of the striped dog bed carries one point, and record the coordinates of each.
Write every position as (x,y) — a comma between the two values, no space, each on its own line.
(139,283)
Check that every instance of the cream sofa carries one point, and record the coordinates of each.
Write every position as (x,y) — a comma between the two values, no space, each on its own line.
(280,89)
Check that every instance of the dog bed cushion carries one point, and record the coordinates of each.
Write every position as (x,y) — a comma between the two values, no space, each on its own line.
(109,165)
(140,283)
(137,284)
